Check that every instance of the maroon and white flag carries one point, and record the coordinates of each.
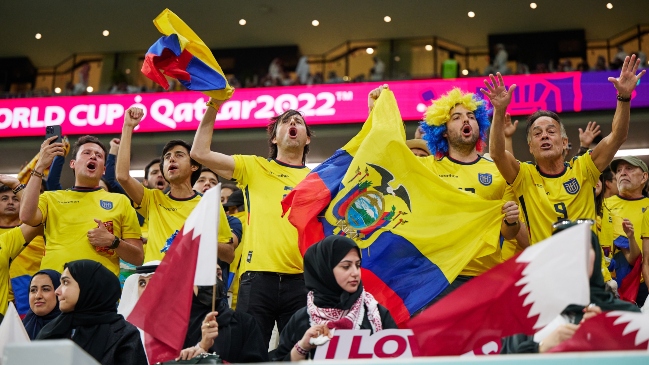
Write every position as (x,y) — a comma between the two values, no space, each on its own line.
(521,295)
(162,311)
(610,331)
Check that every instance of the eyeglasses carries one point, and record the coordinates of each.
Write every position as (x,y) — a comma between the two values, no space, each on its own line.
(566,223)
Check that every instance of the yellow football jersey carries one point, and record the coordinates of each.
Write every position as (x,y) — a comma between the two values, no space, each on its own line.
(479,177)
(165,215)
(614,210)
(11,243)
(546,199)
(68,215)
(270,242)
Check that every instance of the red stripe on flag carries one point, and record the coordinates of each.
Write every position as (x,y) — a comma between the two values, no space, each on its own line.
(631,283)
(386,296)
(306,201)
(163,309)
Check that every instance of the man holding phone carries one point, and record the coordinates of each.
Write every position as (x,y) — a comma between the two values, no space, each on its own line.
(84,222)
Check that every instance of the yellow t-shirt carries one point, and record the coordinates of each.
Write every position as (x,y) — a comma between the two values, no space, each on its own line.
(270,241)
(166,215)
(546,199)
(68,215)
(480,177)
(22,268)
(616,208)
(11,243)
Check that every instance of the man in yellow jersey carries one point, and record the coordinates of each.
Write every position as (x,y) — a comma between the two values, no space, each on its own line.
(272,286)
(625,219)
(455,129)
(85,222)
(166,212)
(552,190)
(29,261)
(12,242)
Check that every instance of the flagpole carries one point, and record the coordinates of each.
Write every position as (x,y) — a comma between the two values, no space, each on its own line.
(216,228)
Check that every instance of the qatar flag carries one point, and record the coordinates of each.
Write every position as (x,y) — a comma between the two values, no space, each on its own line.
(610,331)
(163,309)
(521,295)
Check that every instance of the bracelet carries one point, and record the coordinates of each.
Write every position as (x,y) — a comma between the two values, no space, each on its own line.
(623,99)
(115,244)
(509,224)
(300,350)
(37,174)
(18,188)
(211,103)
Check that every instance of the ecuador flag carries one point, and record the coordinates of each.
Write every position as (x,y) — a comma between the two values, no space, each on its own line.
(181,54)
(416,232)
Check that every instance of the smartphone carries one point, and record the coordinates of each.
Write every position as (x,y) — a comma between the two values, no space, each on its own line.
(53,130)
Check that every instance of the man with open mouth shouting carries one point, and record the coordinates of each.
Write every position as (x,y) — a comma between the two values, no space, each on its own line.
(272,285)
(85,222)
(166,212)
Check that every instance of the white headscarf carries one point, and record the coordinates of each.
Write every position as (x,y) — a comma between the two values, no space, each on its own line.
(130,294)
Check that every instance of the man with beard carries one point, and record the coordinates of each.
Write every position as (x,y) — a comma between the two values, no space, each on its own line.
(166,212)
(552,190)
(455,130)
(84,222)
(272,285)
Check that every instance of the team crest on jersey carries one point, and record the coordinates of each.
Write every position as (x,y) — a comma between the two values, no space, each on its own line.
(485,179)
(572,186)
(106,204)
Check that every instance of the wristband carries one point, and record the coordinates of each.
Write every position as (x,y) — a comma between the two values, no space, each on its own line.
(115,244)
(211,103)
(37,174)
(623,99)
(300,350)
(509,224)
(18,188)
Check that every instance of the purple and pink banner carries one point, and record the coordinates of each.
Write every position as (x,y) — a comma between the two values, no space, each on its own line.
(321,104)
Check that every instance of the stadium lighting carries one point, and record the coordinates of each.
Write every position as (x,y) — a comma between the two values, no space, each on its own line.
(471,14)
(89,89)
(315,23)
(387,19)
(609,6)
(242,22)
(105,33)
(533,5)
(38,36)
(428,47)
(57,90)
(369,50)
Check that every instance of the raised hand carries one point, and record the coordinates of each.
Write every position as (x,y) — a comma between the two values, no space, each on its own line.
(510,128)
(9,181)
(626,83)
(587,136)
(374,94)
(133,116)
(627,226)
(48,151)
(497,92)
(114,146)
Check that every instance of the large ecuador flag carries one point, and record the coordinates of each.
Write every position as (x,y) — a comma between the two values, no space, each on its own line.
(521,295)
(610,331)
(182,55)
(416,232)
(163,309)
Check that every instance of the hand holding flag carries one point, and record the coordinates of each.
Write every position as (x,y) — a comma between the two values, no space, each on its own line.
(182,55)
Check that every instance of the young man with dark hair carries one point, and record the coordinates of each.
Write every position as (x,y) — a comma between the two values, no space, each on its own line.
(272,286)
(9,209)
(226,191)
(207,180)
(70,230)
(166,212)
(552,190)
(153,178)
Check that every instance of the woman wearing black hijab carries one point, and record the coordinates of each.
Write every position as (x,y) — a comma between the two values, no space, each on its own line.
(336,299)
(88,297)
(601,300)
(43,305)
(234,336)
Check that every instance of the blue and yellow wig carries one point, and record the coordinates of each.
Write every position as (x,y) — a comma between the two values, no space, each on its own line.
(436,116)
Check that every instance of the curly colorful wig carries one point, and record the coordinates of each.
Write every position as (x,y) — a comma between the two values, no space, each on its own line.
(436,116)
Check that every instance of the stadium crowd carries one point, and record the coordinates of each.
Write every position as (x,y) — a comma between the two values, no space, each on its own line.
(64,251)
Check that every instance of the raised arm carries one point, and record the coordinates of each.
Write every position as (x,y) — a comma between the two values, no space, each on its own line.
(220,163)
(111,160)
(29,212)
(500,98)
(133,188)
(634,248)
(510,129)
(605,150)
